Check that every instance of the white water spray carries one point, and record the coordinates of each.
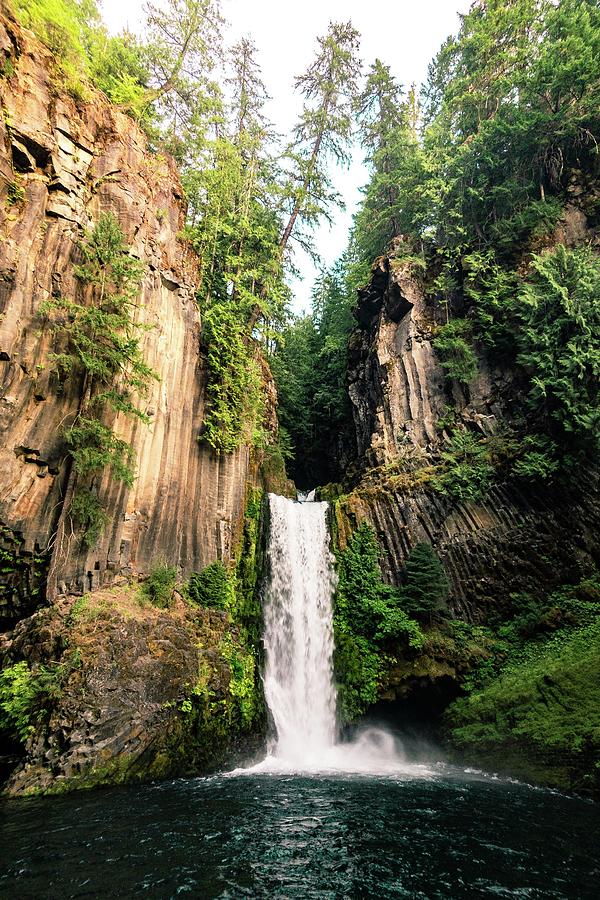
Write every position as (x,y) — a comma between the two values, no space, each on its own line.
(298,633)
(298,636)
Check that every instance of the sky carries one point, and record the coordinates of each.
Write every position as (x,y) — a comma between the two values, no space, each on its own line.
(404,34)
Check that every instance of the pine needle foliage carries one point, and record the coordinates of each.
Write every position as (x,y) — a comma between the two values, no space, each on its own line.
(101,341)
(426,587)
(453,343)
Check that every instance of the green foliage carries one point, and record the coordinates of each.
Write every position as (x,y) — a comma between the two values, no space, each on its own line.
(524,632)
(235,228)
(234,387)
(159,585)
(248,608)
(467,467)
(547,320)
(509,123)
(93,446)
(358,667)
(532,698)
(323,131)
(211,587)
(367,614)
(242,679)
(118,66)
(537,459)
(310,365)
(453,343)
(544,707)
(7,69)
(234,592)
(88,513)
(84,54)
(388,132)
(58,24)
(18,694)
(426,587)
(22,695)
(558,310)
(101,347)
(15,193)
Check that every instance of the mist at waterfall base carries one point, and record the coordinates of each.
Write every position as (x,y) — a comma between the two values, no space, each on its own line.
(298,638)
(318,817)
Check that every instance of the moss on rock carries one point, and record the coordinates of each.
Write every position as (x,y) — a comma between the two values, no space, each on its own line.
(540,718)
(156,692)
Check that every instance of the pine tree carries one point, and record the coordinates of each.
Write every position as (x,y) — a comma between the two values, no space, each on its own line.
(426,587)
(325,128)
(183,46)
(381,116)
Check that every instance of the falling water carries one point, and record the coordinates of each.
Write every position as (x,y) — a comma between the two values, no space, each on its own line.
(298,633)
(298,636)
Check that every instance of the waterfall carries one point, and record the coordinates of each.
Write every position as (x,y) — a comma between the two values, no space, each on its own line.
(298,634)
(298,637)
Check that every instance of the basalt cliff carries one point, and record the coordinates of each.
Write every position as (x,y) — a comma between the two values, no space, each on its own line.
(521,535)
(122,673)
(507,554)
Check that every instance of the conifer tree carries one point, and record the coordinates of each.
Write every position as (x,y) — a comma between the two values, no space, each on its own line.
(426,588)
(183,46)
(324,130)
(381,115)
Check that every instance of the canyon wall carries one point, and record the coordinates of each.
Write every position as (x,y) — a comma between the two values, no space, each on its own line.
(63,163)
(521,535)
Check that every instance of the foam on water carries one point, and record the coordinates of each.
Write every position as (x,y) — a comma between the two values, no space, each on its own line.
(298,636)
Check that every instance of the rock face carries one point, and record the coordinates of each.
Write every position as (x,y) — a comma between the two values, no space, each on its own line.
(62,163)
(519,537)
(396,383)
(512,547)
(137,693)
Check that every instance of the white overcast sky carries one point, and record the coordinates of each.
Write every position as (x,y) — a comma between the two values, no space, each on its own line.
(405,34)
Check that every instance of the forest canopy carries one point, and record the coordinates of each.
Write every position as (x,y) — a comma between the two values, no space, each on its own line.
(474,171)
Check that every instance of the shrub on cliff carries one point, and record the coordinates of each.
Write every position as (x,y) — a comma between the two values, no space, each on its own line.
(159,585)
(467,468)
(558,311)
(368,615)
(84,52)
(453,343)
(23,694)
(211,587)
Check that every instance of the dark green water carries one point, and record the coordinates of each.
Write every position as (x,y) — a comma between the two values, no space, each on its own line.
(285,836)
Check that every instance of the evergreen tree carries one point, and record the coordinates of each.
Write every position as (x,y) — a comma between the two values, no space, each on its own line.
(426,587)
(102,348)
(324,130)
(182,48)
(381,113)
(388,131)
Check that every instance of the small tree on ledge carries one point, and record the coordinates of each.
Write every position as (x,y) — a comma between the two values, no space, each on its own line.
(426,589)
